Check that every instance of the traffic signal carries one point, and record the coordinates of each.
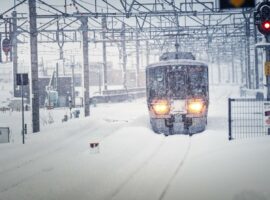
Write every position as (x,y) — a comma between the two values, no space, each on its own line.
(262,18)
(232,4)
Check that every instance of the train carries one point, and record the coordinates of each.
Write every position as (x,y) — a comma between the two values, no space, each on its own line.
(177,92)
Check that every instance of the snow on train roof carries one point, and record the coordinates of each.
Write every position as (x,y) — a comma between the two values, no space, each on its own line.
(177,62)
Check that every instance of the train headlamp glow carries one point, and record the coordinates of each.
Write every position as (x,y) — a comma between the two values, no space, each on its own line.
(195,106)
(161,107)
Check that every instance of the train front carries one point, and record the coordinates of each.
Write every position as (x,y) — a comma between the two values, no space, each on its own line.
(177,96)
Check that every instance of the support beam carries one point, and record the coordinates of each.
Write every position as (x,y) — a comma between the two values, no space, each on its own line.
(257,81)
(248,70)
(233,66)
(73,84)
(267,57)
(147,53)
(219,67)
(34,65)
(14,50)
(242,69)
(137,60)
(84,21)
(1,58)
(124,55)
(104,50)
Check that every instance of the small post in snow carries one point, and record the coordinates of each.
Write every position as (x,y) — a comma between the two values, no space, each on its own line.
(22,80)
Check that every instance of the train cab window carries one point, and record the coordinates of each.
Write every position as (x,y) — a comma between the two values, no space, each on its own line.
(156,84)
(198,80)
(177,82)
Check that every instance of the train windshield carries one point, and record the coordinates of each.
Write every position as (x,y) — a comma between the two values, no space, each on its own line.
(197,80)
(157,82)
(177,81)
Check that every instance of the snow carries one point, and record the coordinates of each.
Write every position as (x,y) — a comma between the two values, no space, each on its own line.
(175,62)
(134,162)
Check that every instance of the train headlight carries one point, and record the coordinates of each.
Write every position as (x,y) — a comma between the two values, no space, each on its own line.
(161,107)
(195,106)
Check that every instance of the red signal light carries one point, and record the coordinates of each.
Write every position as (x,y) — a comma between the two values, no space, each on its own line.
(266,25)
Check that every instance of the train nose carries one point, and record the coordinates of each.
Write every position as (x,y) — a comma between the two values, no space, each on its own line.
(178,107)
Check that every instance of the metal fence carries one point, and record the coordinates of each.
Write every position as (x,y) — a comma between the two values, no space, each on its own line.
(248,118)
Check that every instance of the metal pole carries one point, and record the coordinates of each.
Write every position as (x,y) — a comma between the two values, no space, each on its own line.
(10,36)
(57,77)
(229,74)
(248,53)
(211,69)
(1,58)
(104,27)
(22,95)
(15,50)
(242,63)
(256,62)
(230,118)
(147,53)
(34,65)
(124,55)
(233,67)
(73,84)
(267,56)
(137,60)
(84,21)
(99,80)
(219,69)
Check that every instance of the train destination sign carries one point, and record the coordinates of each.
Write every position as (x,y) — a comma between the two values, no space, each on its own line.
(232,4)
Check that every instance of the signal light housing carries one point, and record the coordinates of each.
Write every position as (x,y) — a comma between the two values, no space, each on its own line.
(262,18)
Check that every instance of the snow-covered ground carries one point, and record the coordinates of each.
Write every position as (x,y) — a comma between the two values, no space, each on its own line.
(133,162)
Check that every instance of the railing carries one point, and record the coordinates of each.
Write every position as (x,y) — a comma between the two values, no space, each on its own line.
(248,118)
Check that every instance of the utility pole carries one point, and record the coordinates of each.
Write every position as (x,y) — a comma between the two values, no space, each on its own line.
(242,63)
(22,95)
(267,56)
(210,68)
(57,77)
(137,60)
(73,84)
(1,58)
(256,62)
(147,53)
(248,70)
(14,49)
(124,55)
(218,62)
(233,66)
(34,65)
(104,49)
(84,21)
